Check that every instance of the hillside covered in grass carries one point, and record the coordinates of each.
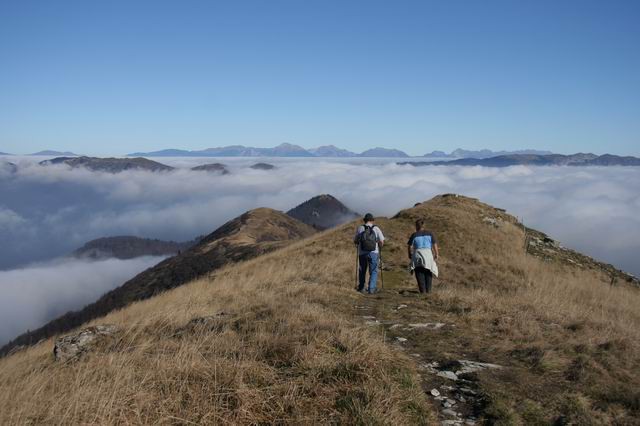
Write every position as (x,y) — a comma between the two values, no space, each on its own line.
(284,338)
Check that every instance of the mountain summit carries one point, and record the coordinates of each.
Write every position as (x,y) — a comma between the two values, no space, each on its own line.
(323,212)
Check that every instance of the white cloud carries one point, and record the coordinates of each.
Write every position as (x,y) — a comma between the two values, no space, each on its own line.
(31,296)
(591,209)
(9,219)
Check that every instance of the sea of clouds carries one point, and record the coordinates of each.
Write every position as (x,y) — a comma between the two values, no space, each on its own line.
(47,212)
(32,296)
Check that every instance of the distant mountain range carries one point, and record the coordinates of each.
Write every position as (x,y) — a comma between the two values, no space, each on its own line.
(282,150)
(56,153)
(483,153)
(536,160)
(4,153)
(290,150)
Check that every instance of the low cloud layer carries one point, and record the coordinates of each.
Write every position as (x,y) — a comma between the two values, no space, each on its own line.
(46,212)
(31,296)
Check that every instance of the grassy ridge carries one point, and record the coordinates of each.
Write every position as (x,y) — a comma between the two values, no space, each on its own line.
(291,348)
(284,352)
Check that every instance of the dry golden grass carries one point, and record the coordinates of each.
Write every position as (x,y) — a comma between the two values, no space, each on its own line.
(293,350)
(571,340)
(285,352)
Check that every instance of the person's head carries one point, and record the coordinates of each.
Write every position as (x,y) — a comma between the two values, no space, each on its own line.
(368,218)
(419,224)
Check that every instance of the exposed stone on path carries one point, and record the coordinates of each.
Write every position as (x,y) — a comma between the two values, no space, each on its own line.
(473,366)
(448,375)
(427,325)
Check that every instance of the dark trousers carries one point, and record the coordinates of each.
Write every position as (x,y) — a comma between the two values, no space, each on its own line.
(424,278)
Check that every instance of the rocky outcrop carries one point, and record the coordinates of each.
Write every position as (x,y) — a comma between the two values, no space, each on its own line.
(212,168)
(109,165)
(263,166)
(72,346)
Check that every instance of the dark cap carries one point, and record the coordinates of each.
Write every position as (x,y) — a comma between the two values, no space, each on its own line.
(368,217)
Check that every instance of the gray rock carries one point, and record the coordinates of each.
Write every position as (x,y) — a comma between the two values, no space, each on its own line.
(491,221)
(73,345)
(448,375)
(467,391)
(435,392)
(449,412)
(428,325)
(401,339)
(473,366)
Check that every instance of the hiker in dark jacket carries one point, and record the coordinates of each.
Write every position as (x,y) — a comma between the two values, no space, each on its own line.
(422,249)
(369,239)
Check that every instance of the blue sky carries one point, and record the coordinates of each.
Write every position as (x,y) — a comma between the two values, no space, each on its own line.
(114,77)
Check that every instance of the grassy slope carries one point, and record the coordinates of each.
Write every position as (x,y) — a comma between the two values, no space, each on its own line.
(294,347)
(568,338)
(288,351)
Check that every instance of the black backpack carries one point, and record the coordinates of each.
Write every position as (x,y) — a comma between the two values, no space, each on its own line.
(368,239)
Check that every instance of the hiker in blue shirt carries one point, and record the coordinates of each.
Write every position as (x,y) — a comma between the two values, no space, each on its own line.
(422,249)
(369,239)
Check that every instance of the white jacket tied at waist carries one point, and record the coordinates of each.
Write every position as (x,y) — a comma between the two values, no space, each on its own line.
(423,258)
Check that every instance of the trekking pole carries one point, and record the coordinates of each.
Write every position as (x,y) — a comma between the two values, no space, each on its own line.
(357,268)
(381,273)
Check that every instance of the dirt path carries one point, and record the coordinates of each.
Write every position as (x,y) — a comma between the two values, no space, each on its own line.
(412,324)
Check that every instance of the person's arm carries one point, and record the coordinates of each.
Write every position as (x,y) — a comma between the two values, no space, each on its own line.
(410,246)
(436,253)
(380,238)
(357,237)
